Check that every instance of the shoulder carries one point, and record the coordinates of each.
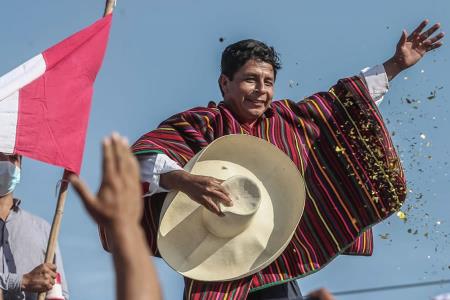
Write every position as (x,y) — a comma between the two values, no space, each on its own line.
(284,107)
(34,221)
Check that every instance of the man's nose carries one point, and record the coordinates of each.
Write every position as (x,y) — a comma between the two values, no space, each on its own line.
(261,87)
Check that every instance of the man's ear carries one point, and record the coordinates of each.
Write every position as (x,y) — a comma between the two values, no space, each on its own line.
(224,83)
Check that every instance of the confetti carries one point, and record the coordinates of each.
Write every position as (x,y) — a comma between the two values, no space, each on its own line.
(384,236)
(339,149)
(432,95)
(292,83)
(401,215)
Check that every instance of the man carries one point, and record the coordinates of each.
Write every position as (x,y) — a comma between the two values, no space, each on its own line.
(23,242)
(118,208)
(337,140)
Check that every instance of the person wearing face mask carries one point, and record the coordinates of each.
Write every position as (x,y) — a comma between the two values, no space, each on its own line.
(23,242)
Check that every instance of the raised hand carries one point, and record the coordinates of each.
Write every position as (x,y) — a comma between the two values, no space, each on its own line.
(118,207)
(410,49)
(118,201)
(321,294)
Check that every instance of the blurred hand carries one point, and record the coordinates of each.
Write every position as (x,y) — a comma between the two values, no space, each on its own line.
(119,199)
(40,279)
(410,49)
(321,294)
(204,190)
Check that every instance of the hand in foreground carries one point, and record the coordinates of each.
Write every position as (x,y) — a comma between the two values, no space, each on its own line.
(410,49)
(321,294)
(118,207)
(118,201)
(40,279)
(204,190)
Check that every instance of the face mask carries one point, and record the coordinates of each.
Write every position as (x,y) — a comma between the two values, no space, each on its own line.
(9,177)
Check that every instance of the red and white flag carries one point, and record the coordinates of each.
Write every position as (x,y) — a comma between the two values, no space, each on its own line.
(45,102)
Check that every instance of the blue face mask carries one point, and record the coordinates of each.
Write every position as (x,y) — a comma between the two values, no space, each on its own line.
(9,177)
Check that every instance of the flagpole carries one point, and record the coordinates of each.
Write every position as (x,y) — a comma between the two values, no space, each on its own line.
(59,211)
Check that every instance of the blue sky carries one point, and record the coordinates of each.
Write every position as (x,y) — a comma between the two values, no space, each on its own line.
(163,57)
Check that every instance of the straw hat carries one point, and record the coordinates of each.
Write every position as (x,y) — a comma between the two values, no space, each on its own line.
(268,194)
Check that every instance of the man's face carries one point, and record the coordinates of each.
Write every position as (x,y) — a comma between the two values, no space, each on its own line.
(15,159)
(250,92)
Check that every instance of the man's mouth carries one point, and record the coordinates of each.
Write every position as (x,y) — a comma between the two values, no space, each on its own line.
(256,101)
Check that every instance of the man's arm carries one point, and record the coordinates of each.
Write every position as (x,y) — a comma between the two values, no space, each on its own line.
(410,49)
(163,174)
(118,208)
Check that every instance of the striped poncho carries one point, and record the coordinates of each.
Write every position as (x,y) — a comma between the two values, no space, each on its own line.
(339,143)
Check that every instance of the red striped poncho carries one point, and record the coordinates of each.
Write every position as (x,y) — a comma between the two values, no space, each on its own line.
(339,143)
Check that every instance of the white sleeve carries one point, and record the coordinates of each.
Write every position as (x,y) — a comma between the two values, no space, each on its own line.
(376,82)
(152,166)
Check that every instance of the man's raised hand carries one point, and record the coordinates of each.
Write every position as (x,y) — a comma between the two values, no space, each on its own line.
(411,48)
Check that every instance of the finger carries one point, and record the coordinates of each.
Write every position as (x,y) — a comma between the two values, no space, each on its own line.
(88,199)
(130,162)
(429,32)
(52,274)
(51,266)
(222,195)
(436,38)
(403,38)
(116,141)
(213,207)
(419,29)
(222,198)
(108,160)
(434,46)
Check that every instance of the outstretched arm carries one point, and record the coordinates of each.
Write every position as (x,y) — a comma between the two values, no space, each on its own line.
(118,207)
(411,49)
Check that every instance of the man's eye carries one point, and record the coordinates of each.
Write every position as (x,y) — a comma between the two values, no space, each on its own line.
(250,79)
(269,83)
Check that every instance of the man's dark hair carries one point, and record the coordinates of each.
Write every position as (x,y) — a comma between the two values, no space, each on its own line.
(236,55)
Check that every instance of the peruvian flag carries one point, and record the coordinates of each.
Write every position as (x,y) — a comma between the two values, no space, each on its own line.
(45,102)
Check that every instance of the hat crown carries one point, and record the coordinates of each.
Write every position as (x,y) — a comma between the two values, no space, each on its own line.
(246,196)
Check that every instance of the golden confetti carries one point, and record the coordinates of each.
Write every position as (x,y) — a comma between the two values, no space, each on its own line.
(401,215)
(339,149)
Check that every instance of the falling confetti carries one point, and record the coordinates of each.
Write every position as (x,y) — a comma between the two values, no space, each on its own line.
(384,236)
(401,215)
(339,149)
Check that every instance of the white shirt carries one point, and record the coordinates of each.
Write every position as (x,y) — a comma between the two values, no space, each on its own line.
(153,165)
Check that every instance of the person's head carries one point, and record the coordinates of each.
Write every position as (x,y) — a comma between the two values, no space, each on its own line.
(9,173)
(248,72)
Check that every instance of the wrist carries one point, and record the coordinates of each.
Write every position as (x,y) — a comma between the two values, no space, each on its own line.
(392,67)
(24,282)
(122,235)
(174,180)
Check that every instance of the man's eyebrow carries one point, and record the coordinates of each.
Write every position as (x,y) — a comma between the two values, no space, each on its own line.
(255,74)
